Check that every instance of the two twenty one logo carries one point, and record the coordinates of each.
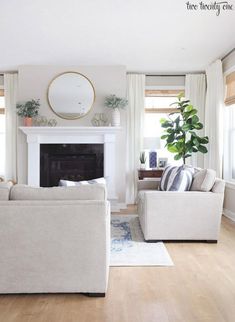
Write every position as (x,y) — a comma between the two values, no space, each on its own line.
(217,7)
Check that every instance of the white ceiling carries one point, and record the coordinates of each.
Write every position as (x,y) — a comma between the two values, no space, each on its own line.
(146,36)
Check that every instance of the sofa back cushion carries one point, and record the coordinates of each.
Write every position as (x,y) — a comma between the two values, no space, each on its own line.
(177,178)
(5,188)
(83,192)
(218,186)
(203,180)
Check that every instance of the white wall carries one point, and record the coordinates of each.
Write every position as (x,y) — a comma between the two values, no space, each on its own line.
(165,82)
(33,84)
(229,200)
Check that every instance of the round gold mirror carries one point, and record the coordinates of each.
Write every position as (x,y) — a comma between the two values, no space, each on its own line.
(71,95)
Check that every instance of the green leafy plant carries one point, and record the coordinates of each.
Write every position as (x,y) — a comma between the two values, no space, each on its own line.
(28,109)
(181,131)
(142,158)
(112,101)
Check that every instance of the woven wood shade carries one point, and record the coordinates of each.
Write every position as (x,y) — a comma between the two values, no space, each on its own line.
(2,109)
(230,89)
(160,110)
(162,92)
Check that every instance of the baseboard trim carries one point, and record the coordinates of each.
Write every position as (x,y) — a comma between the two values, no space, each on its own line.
(229,214)
(122,205)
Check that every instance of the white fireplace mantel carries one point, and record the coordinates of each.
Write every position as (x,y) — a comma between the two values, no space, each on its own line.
(67,135)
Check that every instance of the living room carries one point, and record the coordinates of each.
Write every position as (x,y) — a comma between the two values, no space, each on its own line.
(117,161)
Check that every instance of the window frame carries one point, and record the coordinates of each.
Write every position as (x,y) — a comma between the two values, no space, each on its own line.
(163,92)
(2,112)
(229,131)
(227,134)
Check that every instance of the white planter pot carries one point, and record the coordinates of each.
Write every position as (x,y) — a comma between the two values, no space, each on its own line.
(116,117)
(142,165)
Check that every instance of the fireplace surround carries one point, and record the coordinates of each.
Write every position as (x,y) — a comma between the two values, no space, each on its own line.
(105,136)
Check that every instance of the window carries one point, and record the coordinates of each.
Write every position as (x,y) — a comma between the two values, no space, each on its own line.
(229,143)
(230,89)
(229,129)
(157,106)
(2,133)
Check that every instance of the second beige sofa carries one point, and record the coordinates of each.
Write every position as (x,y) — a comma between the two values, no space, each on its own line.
(188,215)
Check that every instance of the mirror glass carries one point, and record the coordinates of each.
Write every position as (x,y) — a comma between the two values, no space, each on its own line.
(71,95)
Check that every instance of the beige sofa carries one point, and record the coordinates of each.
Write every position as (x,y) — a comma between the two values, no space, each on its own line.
(189,215)
(54,239)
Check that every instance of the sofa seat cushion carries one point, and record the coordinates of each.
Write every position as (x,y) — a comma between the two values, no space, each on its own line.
(203,180)
(83,192)
(177,178)
(5,188)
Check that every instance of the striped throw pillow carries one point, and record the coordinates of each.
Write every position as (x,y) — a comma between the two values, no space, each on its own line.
(68,183)
(177,178)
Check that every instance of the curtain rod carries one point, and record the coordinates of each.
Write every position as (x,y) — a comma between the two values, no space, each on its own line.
(230,52)
(165,75)
(9,72)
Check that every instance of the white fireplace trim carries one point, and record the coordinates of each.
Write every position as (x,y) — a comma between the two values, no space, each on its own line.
(68,135)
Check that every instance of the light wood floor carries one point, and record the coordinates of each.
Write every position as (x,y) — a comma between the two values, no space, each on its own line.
(200,287)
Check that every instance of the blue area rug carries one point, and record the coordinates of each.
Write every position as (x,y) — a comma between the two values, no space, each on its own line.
(128,247)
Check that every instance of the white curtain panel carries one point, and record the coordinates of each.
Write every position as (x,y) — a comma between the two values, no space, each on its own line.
(10,92)
(195,91)
(135,123)
(214,117)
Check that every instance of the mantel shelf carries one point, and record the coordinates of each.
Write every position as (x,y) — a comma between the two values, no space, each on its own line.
(68,129)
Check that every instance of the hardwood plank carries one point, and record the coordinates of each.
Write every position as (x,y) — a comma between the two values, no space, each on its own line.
(200,287)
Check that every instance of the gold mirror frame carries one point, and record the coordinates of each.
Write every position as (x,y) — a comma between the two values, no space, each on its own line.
(58,114)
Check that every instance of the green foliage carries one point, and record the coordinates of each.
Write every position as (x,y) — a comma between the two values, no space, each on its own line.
(180,131)
(28,109)
(142,158)
(112,101)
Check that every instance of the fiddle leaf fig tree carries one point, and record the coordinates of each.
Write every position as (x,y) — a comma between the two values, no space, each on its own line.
(180,132)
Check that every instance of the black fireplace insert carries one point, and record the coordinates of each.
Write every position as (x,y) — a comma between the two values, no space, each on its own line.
(74,162)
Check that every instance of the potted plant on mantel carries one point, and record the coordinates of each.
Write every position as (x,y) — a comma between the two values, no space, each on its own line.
(115,103)
(28,110)
(181,131)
